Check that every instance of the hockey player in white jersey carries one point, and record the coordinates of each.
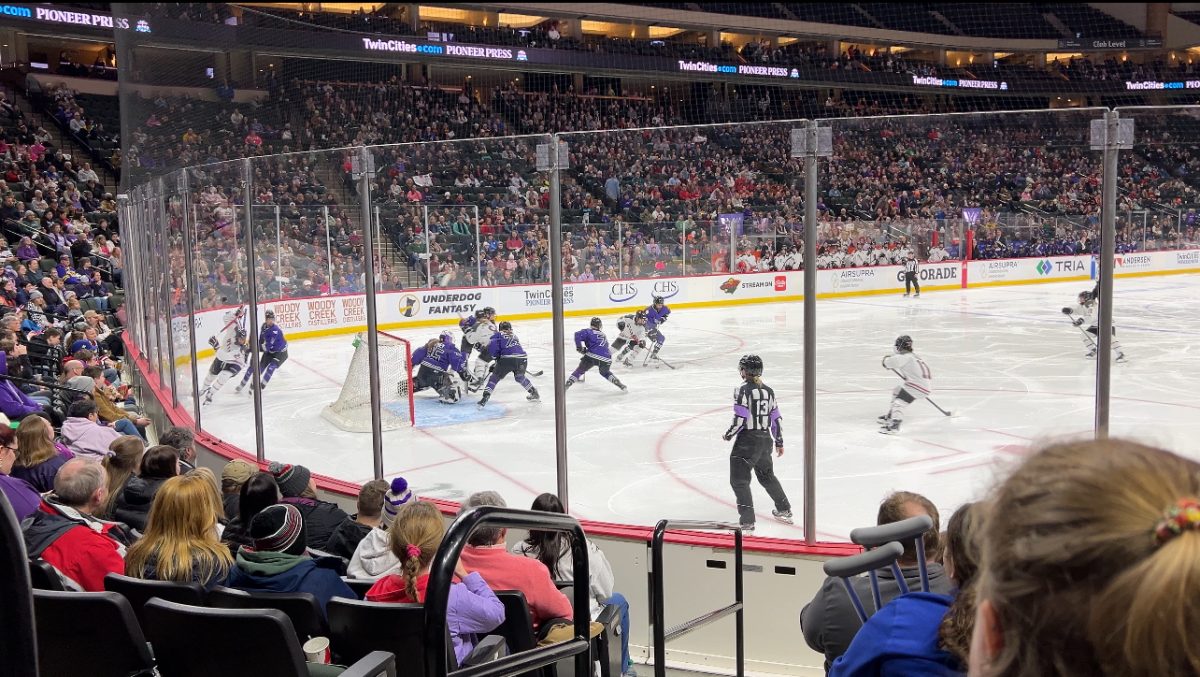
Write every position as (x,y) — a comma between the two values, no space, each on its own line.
(480,335)
(1084,313)
(232,353)
(918,383)
(631,340)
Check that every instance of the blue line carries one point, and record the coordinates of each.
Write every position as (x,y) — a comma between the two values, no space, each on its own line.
(1126,327)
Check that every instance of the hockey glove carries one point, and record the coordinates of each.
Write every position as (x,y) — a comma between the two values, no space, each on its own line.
(1066,311)
(621,325)
(212,341)
(1077,321)
(581,350)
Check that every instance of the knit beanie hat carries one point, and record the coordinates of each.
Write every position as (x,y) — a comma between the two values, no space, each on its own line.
(396,496)
(292,479)
(279,528)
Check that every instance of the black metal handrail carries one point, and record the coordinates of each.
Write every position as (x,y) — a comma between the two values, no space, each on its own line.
(659,632)
(441,573)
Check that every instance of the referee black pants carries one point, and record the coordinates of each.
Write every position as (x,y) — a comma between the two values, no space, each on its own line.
(752,452)
(911,279)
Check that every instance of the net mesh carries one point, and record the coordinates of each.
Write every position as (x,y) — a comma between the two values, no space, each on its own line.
(352,409)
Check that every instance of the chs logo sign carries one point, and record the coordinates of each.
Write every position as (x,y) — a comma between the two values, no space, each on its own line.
(620,292)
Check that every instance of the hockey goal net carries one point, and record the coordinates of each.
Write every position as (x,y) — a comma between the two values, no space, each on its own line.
(352,410)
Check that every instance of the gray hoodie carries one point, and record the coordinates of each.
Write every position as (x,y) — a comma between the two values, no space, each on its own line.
(373,558)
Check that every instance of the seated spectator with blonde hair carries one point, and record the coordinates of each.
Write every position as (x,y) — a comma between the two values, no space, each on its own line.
(472,609)
(1091,560)
(180,542)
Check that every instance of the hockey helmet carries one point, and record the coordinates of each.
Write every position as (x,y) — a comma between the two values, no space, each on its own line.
(1085,296)
(658,301)
(481,314)
(489,311)
(270,315)
(505,326)
(751,364)
(904,344)
(640,317)
(596,323)
(239,336)
(446,337)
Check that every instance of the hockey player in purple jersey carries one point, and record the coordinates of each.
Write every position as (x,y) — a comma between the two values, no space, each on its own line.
(656,315)
(274,352)
(436,361)
(510,358)
(593,345)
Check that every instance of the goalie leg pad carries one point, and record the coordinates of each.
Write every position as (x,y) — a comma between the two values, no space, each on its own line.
(450,390)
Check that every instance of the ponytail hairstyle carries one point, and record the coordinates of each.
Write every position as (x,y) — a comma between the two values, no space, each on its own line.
(414,538)
(1091,561)
(961,558)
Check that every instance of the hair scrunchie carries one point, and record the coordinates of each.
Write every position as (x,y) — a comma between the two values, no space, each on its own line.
(1184,515)
(412,551)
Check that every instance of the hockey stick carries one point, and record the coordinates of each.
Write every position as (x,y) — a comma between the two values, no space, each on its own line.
(927,398)
(1092,340)
(665,363)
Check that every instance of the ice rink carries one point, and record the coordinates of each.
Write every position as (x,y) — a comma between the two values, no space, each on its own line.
(1005,361)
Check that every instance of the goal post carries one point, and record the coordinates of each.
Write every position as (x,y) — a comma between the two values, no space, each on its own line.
(352,409)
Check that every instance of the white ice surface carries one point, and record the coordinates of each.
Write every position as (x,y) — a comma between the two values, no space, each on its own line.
(1005,361)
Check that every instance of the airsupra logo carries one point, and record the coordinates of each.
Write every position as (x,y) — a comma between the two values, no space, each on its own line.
(1044,267)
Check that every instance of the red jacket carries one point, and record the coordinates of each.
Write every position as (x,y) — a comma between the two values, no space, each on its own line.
(83,549)
(505,571)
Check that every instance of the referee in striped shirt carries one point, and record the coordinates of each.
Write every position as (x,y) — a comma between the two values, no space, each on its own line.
(910,275)
(756,420)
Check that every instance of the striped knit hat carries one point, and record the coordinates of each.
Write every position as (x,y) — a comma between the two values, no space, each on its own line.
(279,528)
(292,479)
(396,496)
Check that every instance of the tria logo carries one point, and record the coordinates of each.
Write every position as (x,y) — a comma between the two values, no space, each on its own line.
(1044,267)
(729,286)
